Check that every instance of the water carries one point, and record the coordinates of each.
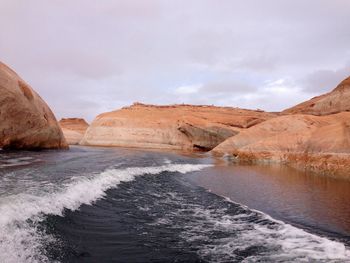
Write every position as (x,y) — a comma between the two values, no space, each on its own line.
(315,202)
(119,205)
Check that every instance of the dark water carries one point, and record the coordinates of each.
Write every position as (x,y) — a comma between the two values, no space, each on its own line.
(118,205)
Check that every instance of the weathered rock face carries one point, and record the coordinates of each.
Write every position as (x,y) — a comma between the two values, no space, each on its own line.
(73,129)
(321,143)
(335,101)
(26,122)
(294,133)
(313,135)
(170,127)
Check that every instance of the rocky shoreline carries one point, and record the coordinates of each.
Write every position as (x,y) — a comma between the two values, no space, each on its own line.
(314,135)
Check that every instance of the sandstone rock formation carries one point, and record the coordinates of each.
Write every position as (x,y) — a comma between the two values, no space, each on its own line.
(313,135)
(73,129)
(182,127)
(318,143)
(26,122)
(293,133)
(335,101)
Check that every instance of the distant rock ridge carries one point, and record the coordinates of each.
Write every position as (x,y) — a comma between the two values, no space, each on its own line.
(336,101)
(73,129)
(26,122)
(145,105)
(181,127)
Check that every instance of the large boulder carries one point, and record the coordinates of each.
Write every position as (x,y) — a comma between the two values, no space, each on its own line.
(183,127)
(335,101)
(26,122)
(73,129)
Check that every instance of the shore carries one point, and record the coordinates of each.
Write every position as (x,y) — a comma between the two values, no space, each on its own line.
(335,165)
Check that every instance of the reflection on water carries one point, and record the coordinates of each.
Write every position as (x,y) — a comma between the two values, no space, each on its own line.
(285,193)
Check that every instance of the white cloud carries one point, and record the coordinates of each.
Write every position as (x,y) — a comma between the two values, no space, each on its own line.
(188,89)
(85,56)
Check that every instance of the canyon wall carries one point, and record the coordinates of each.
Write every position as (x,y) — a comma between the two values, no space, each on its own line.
(181,127)
(73,129)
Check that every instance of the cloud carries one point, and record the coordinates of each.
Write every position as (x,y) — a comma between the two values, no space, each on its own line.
(324,80)
(88,56)
(188,89)
(229,87)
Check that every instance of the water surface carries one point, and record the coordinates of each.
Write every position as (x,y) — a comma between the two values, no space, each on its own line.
(318,202)
(121,205)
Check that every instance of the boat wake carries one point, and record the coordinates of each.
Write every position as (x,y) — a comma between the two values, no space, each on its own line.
(231,232)
(213,227)
(21,237)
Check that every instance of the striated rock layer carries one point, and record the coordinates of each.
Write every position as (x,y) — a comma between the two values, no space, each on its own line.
(335,101)
(26,122)
(183,127)
(73,129)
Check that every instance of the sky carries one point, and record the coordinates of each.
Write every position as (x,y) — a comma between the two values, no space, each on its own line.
(85,57)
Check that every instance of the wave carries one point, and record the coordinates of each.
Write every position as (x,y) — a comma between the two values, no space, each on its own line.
(298,240)
(294,244)
(20,238)
(8,161)
(231,232)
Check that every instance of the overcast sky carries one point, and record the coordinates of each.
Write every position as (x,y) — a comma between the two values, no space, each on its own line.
(85,57)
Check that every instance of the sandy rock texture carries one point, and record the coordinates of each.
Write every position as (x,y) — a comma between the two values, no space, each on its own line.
(73,129)
(335,101)
(26,122)
(182,127)
(318,143)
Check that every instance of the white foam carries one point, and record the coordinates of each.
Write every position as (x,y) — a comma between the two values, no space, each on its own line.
(301,241)
(19,239)
(287,242)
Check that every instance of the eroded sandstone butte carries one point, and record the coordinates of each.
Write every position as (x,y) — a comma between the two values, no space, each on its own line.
(26,122)
(182,127)
(335,101)
(317,141)
(73,129)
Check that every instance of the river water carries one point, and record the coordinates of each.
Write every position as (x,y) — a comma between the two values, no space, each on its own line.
(124,205)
